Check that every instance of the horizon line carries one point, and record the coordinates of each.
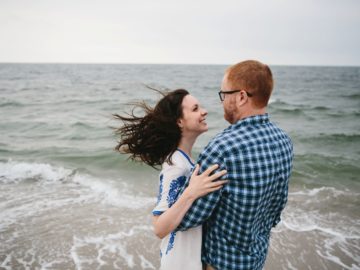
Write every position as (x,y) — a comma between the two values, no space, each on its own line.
(188,64)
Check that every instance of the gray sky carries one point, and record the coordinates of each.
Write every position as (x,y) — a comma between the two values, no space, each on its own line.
(284,32)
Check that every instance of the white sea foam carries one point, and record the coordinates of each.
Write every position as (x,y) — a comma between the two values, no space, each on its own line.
(59,188)
(312,226)
(107,245)
(316,191)
(47,203)
(145,264)
(56,188)
(113,193)
(330,246)
(29,259)
(15,172)
(5,264)
(314,214)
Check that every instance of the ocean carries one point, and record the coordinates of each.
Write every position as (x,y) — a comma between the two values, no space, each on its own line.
(69,201)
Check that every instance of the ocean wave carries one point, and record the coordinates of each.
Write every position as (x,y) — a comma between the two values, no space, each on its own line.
(317,209)
(116,89)
(324,158)
(2,150)
(282,107)
(16,172)
(322,220)
(11,104)
(283,104)
(351,96)
(343,113)
(334,246)
(347,137)
(314,227)
(328,138)
(316,191)
(103,159)
(332,169)
(33,189)
(278,102)
(311,109)
(291,111)
(79,124)
(110,191)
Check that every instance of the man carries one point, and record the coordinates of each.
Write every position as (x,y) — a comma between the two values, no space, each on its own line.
(257,155)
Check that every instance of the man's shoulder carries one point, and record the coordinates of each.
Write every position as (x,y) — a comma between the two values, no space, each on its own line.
(222,144)
(282,133)
(220,139)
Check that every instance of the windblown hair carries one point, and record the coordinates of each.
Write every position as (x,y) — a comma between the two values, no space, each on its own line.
(154,137)
(254,77)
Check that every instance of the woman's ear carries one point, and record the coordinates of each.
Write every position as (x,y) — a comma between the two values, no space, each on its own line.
(180,123)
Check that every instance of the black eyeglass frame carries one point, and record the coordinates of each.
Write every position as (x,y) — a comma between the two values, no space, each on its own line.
(223,93)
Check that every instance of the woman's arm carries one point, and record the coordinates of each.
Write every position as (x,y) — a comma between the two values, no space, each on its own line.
(199,186)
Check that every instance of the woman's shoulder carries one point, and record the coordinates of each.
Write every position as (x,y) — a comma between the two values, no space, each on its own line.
(179,162)
(175,161)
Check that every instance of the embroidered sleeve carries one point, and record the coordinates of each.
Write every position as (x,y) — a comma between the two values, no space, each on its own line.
(170,182)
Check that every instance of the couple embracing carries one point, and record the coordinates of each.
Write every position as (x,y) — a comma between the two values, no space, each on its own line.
(216,214)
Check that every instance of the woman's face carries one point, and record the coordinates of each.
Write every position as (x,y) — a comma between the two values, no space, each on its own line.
(193,120)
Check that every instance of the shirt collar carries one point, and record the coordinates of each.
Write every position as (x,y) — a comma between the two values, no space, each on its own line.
(186,156)
(252,120)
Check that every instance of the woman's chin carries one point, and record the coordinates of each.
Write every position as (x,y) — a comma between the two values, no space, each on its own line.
(206,128)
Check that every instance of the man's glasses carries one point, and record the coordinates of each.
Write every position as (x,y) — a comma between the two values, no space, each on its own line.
(223,93)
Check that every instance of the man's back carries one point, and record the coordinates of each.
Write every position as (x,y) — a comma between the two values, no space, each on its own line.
(258,158)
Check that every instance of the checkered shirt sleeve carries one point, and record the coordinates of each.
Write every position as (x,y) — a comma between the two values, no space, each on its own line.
(203,207)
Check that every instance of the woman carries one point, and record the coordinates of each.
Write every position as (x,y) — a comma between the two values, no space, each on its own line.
(165,136)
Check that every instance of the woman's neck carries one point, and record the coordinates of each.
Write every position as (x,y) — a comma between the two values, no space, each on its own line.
(186,144)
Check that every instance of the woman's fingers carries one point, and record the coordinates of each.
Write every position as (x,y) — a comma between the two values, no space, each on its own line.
(210,170)
(196,170)
(214,189)
(217,175)
(217,183)
(213,186)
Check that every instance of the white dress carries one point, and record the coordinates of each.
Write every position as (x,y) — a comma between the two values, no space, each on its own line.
(178,250)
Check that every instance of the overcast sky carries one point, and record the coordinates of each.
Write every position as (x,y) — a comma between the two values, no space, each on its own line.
(283,32)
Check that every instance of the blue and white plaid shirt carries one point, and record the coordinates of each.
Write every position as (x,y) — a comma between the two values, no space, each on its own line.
(238,218)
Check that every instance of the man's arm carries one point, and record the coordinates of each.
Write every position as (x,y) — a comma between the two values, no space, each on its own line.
(285,177)
(203,207)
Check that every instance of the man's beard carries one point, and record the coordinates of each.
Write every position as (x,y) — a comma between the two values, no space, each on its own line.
(229,116)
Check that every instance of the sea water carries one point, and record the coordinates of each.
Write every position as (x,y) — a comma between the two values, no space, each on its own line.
(69,201)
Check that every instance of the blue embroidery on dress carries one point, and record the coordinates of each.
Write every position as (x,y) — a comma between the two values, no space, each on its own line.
(175,187)
(160,188)
(171,242)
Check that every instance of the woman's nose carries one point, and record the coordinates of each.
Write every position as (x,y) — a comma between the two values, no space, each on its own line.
(204,112)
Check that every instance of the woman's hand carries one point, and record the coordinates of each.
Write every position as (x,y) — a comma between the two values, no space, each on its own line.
(199,185)
(204,183)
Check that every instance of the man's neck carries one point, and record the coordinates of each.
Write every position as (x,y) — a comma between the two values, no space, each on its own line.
(250,113)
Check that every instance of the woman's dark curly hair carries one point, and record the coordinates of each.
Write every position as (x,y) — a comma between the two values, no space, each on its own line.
(154,137)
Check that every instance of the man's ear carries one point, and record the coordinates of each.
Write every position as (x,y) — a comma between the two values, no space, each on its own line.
(241,98)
